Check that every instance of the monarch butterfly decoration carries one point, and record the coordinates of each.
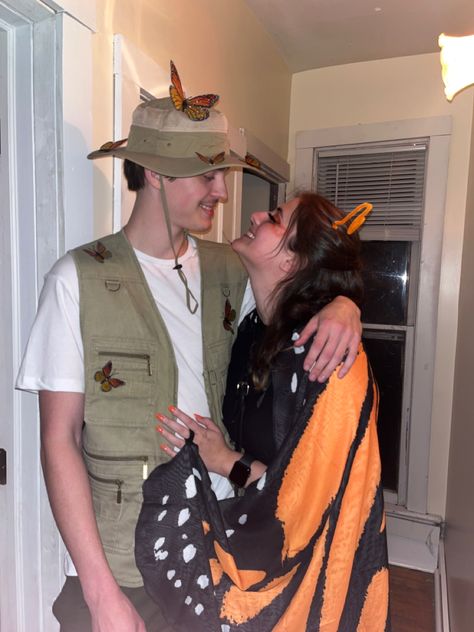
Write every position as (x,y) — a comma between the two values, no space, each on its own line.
(212,160)
(229,316)
(99,252)
(252,161)
(106,379)
(112,144)
(195,108)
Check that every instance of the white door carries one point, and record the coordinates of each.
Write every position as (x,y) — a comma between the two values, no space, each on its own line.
(7,548)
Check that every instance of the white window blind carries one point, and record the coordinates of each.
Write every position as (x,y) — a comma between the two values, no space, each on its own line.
(391,177)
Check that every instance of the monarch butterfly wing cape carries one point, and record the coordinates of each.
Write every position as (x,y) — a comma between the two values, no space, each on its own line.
(303,549)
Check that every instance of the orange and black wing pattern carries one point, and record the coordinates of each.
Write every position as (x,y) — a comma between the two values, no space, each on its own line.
(303,549)
(195,108)
(99,252)
(107,379)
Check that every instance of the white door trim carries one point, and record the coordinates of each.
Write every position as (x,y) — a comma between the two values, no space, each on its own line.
(49,129)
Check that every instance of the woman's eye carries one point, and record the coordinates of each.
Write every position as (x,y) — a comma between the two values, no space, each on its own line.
(272,218)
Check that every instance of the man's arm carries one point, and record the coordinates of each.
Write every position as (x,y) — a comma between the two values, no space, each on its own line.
(339,331)
(71,501)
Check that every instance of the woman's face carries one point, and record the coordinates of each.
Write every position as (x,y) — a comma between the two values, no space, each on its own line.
(260,248)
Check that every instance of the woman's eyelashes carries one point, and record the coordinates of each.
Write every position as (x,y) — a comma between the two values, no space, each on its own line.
(275,216)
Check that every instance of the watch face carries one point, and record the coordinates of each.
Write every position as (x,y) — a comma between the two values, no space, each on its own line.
(239,474)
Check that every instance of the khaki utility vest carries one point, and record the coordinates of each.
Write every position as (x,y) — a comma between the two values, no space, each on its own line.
(131,374)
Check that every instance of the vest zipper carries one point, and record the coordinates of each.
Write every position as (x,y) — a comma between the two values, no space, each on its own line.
(125,354)
(123,458)
(110,481)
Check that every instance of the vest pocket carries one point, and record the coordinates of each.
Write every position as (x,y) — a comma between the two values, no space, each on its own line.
(116,483)
(119,383)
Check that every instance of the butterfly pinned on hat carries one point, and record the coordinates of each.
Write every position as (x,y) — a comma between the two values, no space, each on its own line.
(195,108)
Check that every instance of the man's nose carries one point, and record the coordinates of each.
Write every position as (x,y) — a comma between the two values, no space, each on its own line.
(220,187)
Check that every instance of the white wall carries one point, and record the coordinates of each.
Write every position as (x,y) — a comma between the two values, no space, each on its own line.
(395,89)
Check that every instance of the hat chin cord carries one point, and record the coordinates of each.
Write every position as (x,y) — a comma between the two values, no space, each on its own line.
(191,301)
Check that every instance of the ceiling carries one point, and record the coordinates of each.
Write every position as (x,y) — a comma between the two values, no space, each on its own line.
(319,33)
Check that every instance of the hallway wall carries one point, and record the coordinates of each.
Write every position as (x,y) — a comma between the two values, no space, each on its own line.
(459,545)
(217,47)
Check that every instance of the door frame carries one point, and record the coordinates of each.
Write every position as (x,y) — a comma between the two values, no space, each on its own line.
(49,96)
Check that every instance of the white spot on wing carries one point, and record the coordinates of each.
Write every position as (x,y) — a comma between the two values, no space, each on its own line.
(203,581)
(197,473)
(162,515)
(298,350)
(229,532)
(294,383)
(183,516)
(158,551)
(184,536)
(165,499)
(178,583)
(170,574)
(188,600)
(243,519)
(189,552)
(261,482)
(225,627)
(198,609)
(190,486)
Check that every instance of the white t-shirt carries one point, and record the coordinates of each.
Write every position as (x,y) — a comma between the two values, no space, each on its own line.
(54,355)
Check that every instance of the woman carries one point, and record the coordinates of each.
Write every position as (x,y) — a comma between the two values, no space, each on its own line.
(304,547)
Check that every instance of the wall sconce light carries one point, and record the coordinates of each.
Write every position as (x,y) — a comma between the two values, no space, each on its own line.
(457,63)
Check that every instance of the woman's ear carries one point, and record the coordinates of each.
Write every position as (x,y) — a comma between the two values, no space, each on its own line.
(153,178)
(287,264)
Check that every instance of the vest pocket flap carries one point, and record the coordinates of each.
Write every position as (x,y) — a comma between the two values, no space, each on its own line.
(120,382)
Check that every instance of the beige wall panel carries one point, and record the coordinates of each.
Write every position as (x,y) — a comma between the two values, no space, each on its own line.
(395,89)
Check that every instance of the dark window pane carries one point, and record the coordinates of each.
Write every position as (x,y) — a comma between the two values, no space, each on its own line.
(385,272)
(386,353)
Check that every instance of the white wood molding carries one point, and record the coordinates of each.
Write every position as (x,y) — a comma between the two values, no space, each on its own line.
(84,11)
(412,538)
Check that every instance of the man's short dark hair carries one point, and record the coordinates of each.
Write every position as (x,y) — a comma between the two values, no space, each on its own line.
(134,175)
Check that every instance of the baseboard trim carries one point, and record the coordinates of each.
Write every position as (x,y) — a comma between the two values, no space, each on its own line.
(441,593)
(413,539)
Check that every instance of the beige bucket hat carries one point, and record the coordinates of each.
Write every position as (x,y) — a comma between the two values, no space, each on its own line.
(170,143)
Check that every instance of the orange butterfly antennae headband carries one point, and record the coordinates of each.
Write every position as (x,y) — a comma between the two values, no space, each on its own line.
(359,213)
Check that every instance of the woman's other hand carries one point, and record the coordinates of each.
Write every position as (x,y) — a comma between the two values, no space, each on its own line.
(339,331)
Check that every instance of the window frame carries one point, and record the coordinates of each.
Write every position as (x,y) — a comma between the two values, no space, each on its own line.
(438,131)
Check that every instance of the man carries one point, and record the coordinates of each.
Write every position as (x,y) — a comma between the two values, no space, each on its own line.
(119,321)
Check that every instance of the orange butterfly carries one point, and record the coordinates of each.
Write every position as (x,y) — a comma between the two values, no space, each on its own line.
(104,376)
(112,144)
(99,252)
(229,316)
(252,161)
(212,160)
(196,108)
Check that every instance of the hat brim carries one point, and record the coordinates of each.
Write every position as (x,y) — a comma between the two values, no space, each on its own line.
(175,167)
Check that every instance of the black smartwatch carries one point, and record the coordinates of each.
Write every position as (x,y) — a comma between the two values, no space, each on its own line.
(240,472)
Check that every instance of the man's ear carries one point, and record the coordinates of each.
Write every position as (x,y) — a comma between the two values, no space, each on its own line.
(153,178)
